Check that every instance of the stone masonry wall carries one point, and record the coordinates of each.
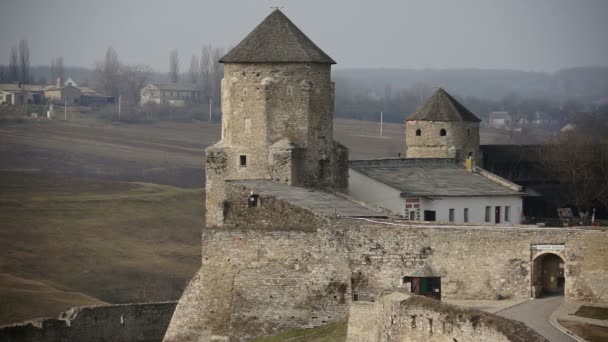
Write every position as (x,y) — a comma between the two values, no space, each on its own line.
(270,112)
(258,279)
(463,136)
(255,282)
(269,213)
(124,322)
(398,317)
(476,262)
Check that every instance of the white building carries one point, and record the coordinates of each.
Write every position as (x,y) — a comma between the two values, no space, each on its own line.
(436,189)
(172,94)
(500,120)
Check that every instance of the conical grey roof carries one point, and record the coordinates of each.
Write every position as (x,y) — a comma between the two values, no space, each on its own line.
(276,40)
(443,107)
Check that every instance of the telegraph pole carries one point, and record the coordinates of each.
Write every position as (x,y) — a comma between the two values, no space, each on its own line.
(381,121)
(210,108)
(119,100)
(65,108)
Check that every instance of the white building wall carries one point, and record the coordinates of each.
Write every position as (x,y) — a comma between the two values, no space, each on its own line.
(477,208)
(376,193)
(371,191)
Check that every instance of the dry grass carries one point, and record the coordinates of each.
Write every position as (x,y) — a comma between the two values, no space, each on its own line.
(23,299)
(335,332)
(116,242)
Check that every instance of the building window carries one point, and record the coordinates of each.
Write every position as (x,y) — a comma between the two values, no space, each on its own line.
(466,215)
(468,131)
(442,132)
(507,213)
(418,132)
(488,211)
(452,214)
(244,91)
(243,161)
(429,215)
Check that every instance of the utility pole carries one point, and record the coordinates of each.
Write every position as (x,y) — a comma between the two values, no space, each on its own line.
(119,100)
(210,108)
(381,119)
(65,108)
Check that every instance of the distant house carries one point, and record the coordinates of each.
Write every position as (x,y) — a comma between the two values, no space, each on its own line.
(169,93)
(15,94)
(61,93)
(500,120)
(436,189)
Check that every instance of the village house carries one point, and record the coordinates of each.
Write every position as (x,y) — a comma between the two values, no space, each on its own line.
(15,94)
(62,93)
(172,94)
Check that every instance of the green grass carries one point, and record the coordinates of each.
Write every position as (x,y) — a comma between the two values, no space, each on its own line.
(594,312)
(335,332)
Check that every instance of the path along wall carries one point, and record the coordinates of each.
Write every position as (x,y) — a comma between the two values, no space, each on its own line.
(124,322)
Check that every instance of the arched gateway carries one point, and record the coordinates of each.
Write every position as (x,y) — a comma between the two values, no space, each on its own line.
(548,274)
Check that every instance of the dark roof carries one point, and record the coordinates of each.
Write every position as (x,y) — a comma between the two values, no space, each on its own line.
(315,200)
(431,177)
(276,39)
(442,107)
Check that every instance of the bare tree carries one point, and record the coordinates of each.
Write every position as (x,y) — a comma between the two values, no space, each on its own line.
(217,73)
(107,73)
(133,78)
(580,163)
(13,66)
(3,73)
(174,66)
(194,70)
(205,70)
(24,62)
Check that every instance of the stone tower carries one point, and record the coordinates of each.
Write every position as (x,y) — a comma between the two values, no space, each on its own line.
(277,115)
(442,128)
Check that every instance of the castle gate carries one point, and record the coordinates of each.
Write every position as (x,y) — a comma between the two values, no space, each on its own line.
(548,270)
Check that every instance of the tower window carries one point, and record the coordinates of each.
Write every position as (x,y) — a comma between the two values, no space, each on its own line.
(468,131)
(418,132)
(243,160)
(442,132)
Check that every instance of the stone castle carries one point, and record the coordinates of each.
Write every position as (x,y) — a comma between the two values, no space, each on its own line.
(285,248)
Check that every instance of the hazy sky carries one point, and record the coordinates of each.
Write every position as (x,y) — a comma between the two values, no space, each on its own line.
(542,35)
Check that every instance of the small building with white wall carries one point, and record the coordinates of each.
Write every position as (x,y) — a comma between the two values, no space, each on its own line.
(436,189)
(171,94)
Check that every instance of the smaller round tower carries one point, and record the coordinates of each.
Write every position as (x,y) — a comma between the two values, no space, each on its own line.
(442,128)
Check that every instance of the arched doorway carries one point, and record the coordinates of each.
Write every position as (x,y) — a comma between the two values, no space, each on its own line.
(548,275)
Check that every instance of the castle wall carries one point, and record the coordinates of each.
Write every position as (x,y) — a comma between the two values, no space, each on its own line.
(258,279)
(259,282)
(463,136)
(476,262)
(399,317)
(124,322)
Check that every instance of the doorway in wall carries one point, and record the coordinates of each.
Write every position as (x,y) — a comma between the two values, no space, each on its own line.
(429,215)
(497,214)
(548,275)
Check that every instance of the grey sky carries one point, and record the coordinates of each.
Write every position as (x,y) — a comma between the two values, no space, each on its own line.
(543,35)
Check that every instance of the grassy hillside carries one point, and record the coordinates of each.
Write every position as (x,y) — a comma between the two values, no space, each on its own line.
(117,242)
